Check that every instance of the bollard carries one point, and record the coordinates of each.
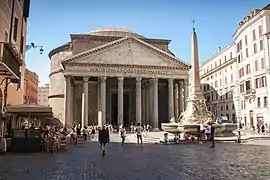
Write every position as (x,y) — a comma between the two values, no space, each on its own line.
(239,136)
(166,138)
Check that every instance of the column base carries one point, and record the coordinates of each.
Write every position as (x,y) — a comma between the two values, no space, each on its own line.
(155,130)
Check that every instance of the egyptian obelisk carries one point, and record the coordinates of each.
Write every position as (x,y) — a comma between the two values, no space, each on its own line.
(196,111)
(195,87)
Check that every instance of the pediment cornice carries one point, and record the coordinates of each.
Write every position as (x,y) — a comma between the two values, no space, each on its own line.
(122,40)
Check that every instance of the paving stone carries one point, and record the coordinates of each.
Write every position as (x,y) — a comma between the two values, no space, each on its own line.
(227,161)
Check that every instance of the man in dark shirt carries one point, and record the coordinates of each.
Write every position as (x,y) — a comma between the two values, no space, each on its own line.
(103,138)
(212,135)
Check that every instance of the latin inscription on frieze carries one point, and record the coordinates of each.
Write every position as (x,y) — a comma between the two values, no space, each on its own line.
(127,71)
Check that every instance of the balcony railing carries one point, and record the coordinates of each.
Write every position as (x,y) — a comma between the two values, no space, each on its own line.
(251,92)
(11,59)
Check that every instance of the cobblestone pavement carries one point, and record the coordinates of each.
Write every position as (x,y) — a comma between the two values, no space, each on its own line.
(228,161)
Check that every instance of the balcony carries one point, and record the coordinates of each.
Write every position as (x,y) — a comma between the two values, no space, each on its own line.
(10,61)
(250,94)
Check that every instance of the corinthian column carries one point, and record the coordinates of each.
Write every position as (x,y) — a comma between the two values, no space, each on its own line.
(155,106)
(175,96)
(103,98)
(180,97)
(85,96)
(185,93)
(170,98)
(138,100)
(68,121)
(120,100)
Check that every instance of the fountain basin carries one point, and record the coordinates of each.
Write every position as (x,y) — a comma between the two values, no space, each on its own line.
(221,130)
(170,127)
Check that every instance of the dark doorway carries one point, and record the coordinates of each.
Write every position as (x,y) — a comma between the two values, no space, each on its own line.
(126,110)
(114,109)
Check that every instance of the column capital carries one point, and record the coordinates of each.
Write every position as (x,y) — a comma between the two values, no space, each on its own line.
(138,80)
(185,82)
(68,78)
(85,79)
(120,79)
(102,79)
(155,80)
(170,80)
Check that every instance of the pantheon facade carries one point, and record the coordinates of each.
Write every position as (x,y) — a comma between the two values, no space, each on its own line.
(116,76)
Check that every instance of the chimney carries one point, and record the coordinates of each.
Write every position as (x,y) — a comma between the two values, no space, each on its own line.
(219,49)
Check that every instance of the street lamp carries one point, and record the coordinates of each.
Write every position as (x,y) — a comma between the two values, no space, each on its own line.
(33,46)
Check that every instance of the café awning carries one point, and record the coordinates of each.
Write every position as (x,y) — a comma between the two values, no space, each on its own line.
(30,110)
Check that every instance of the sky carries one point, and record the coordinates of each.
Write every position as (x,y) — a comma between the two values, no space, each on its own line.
(52,21)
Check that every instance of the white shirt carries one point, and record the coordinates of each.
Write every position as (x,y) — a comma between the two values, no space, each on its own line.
(208,130)
(139,130)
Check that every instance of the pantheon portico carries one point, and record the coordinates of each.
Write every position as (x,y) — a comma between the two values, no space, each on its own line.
(115,76)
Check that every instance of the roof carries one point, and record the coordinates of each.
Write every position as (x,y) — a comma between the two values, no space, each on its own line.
(28,108)
(114,31)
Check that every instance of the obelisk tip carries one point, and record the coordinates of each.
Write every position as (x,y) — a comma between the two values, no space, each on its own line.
(193,22)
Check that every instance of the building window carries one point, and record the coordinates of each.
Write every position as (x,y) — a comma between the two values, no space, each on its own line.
(22,45)
(227,107)
(263,81)
(15,29)
(225,58)
(6,37)
(262,63)
(246,40)
(216,84)
(232,106)
(256,65)
(265,101)
(230,55)
(219,61)
(258,102)
(246,52)
(242,88)
(248,85)
(226,80)
(257,83)
(254,34)
(231,77)
(220,82)
(261,45)
(239,58)
(248,69)
(260,30)
(254,48)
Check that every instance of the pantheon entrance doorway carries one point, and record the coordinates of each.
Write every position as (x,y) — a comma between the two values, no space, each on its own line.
(114,109)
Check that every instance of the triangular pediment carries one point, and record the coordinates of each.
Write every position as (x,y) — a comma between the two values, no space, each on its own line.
(129,51)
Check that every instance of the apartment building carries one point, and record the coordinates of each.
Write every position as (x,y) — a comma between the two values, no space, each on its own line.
(252,51)
(218,77)
(30,87)
(235,80)
(13,25)
(43,93)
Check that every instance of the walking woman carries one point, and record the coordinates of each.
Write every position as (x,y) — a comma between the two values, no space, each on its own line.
(123,133)
(103,138)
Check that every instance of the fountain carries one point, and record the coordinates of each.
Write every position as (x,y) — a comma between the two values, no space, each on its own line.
(196,114)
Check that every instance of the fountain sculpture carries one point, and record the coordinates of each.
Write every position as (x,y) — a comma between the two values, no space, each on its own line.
(196,113)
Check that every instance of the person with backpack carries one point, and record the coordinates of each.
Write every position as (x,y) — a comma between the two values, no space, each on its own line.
(123,133)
